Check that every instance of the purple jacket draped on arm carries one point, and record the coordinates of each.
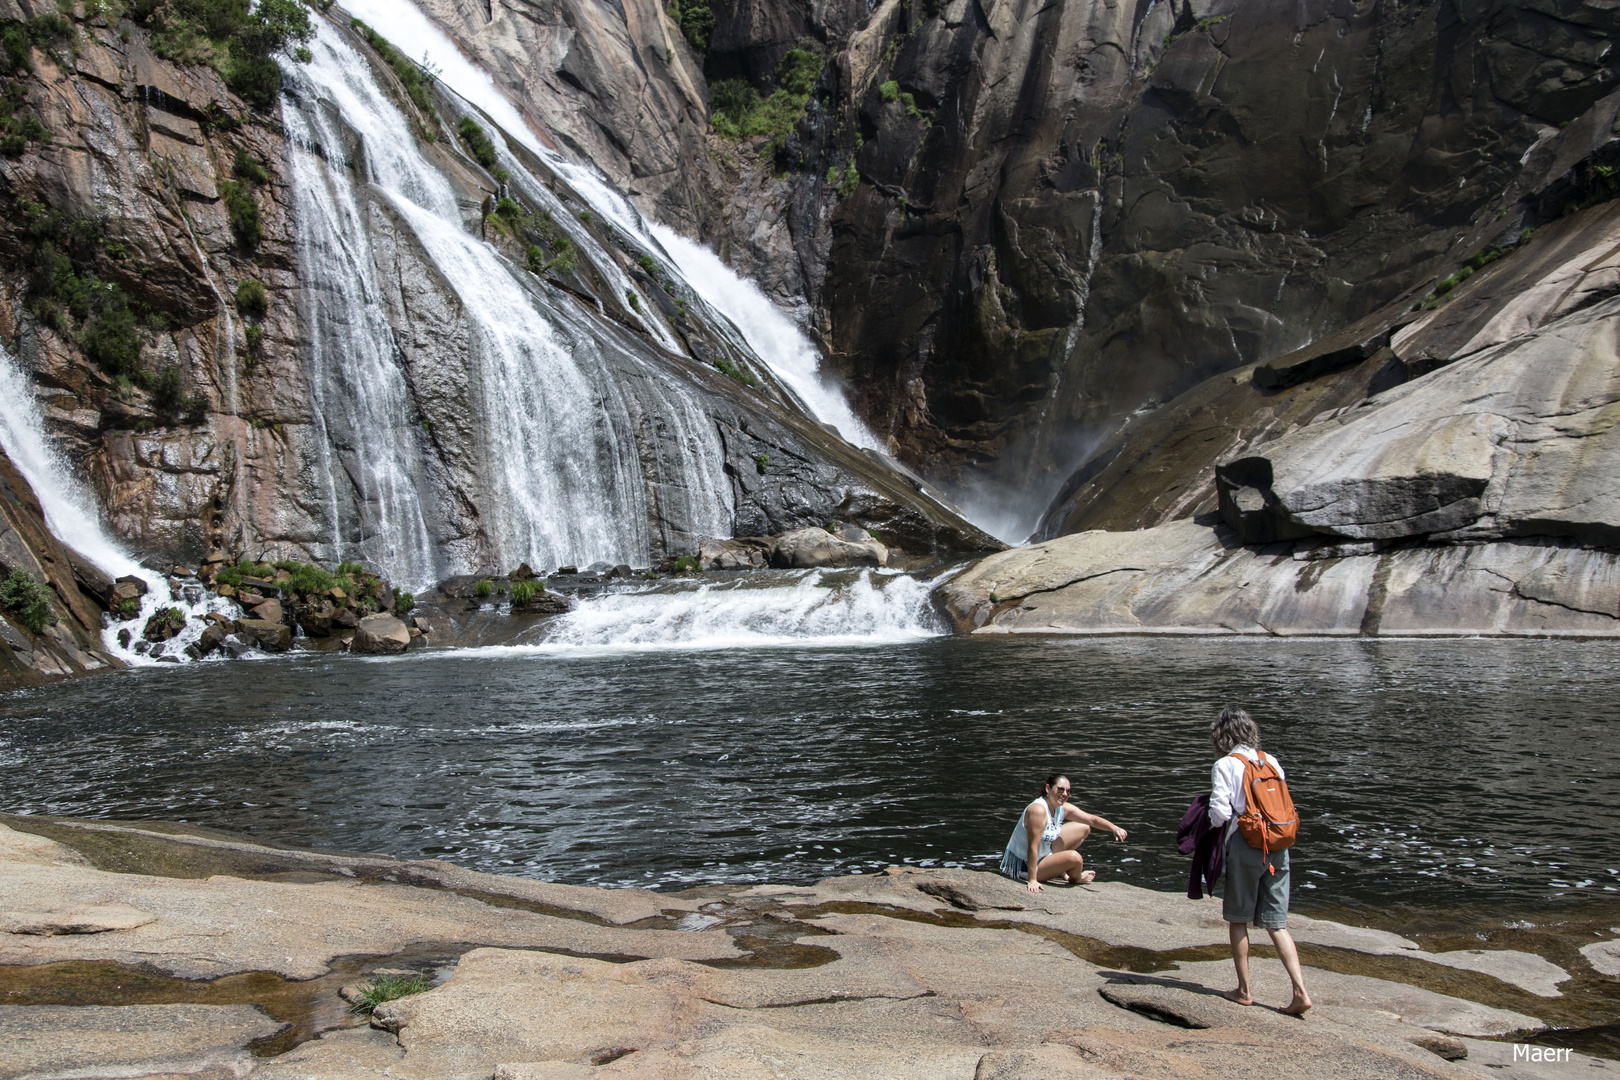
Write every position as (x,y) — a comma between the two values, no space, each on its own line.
(1198,838)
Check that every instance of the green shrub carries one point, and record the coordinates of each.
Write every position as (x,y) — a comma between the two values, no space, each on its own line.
(249,170)
(238,38)
(28,600)
(890,91)
(255,340)
(403,601)
(484,588)
(696,20)
(126,609)
(307,580)
(686,563)
(477,141)
(762,461)
(738,112)
(243,209)
(19,126)
(523,591)
(350,569)
(251,299)
(633,300)
(170,401)
(383,988)
(110,340)
(417,81)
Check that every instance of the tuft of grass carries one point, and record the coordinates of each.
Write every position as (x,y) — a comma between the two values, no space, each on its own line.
(484,588)
(732,371)
(762,461)
(524,591)
(383,988)
(685,563)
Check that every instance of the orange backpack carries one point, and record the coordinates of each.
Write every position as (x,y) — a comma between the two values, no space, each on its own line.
(1269,822)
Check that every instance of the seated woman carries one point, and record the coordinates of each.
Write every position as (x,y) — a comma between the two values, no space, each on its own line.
(1046,843)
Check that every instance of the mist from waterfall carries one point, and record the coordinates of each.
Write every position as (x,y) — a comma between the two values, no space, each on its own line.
(561,477)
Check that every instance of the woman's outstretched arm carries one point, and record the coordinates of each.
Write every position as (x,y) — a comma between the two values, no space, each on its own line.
(1096,821)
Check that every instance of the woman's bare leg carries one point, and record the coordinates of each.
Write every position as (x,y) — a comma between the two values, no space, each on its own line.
(1068,864)
(1070,837)
(1284,941)
(1238,934)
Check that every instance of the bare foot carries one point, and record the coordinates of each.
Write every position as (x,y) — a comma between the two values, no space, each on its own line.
(1086,877)
(1237,996)
(1299,1006)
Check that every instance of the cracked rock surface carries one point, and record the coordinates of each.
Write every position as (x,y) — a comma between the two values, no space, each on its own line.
(910,973)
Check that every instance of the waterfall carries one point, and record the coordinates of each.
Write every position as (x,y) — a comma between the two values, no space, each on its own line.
(780,345)
(562,476)
(772,336)
(72,517)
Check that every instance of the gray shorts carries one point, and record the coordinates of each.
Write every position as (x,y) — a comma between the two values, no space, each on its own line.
(1253,893)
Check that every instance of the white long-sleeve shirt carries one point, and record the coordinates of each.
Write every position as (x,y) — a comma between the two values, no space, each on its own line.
(1227,799)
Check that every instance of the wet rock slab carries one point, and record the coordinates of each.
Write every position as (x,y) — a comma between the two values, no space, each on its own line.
(131,1040)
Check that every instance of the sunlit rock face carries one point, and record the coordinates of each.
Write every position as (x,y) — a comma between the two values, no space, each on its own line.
(1068,213)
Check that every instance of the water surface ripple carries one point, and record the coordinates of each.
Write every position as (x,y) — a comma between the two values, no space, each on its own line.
(1428,772)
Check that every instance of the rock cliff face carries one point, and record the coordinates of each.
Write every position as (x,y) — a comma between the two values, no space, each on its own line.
(1437,468)
(1066,215)
(159,249)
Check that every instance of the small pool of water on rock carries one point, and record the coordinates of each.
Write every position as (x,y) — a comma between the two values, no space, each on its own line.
(1429,773)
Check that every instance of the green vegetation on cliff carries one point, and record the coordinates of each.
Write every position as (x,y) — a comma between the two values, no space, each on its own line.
(237,38)
(28,600)
(739,112)
(696,20)
(416,79)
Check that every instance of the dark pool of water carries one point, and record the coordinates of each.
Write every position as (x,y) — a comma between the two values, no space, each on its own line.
(1429,773)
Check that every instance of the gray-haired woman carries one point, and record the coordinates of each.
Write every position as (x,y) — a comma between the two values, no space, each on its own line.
(1255,892)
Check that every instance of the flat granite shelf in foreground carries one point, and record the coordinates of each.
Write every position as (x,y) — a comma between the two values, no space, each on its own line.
(136,950)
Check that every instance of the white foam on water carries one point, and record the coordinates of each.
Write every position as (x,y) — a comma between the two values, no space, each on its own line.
(811,608)
(72,517)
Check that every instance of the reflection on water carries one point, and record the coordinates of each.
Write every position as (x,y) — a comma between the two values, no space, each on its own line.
(1429,772)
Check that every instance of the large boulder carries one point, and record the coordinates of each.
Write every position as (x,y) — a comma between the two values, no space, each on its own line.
(1516,440)
(741,553)
(804,548)
(381,635)
(269,611)
(270,636)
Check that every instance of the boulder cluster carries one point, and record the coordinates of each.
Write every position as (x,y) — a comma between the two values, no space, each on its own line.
(354,606)
(836,545)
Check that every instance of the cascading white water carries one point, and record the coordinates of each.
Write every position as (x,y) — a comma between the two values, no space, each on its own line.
(797,608)
(70,514)
(782,346)
(362,404)
(562,477)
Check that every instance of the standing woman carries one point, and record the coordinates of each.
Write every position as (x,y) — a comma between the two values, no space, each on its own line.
(1046,843)
(1255,892)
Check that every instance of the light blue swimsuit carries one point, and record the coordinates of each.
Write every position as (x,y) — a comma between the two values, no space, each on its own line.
(1012,860)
